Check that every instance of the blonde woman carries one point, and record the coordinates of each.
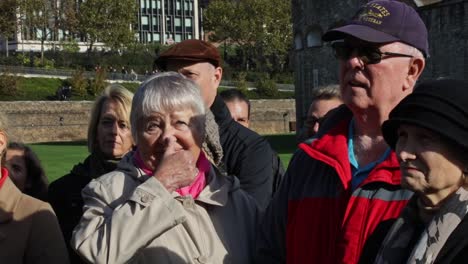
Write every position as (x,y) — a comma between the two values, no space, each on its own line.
(109,139)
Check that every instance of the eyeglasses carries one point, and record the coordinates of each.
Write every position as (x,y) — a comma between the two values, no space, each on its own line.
(312,120)
(367,54)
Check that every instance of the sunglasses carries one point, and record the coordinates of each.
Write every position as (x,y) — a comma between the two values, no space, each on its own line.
(367,54)
(312,120)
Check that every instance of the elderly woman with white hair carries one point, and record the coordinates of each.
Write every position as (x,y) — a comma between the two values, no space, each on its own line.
(167,201)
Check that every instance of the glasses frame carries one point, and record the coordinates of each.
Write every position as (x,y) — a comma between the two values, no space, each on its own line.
(363,53)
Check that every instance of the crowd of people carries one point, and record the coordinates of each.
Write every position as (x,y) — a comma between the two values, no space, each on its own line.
(174,174)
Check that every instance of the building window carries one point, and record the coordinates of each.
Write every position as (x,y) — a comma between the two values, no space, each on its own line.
(169,23)
(314,38)
(156,37)
(188,24)
(144,22)
(178,37)
(298,41)
(155,23)
(178,7)
(142,4)
(159,4)
(178,24)
(153,4)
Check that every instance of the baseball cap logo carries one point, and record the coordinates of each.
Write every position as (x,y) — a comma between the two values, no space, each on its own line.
(372,13)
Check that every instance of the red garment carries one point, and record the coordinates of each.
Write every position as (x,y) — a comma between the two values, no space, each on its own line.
(194,189)
(4,176)
(317,218)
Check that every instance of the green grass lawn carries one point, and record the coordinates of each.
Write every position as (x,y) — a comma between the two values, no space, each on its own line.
(59,158)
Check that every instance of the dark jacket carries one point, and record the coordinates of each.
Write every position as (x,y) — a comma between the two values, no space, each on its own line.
(247,155)
(65,198)
(316,217)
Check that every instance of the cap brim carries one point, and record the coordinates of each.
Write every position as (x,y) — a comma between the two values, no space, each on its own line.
(360,32)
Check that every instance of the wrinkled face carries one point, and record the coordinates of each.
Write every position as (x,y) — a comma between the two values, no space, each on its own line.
(239,111)
(114,136)
(204,74)
(317,110)
(427,165)
(16,165)
(375,86)
(168,132)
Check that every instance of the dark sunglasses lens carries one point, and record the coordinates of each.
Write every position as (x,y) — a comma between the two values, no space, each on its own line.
(370,55)
(341,51)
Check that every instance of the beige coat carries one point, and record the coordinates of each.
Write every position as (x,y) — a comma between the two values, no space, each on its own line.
(29,231)
(131,217)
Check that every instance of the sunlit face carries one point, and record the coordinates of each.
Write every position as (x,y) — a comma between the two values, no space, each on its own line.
(16,165)
(375,86)
(427,165)
(317,110)
(168,132)
(239,111)
(204,74)
(114,136)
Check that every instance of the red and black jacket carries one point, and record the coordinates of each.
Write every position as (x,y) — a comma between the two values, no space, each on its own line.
(317,218)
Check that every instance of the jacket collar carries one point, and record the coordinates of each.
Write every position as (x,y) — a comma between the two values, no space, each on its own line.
(9,198)
(331,147)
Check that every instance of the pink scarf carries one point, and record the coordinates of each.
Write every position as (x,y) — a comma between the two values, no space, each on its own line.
(194,189)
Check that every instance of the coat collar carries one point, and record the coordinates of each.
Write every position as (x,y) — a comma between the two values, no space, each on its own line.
(9,197)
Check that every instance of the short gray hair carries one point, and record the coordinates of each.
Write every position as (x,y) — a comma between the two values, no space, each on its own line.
(326,92)
(166,92)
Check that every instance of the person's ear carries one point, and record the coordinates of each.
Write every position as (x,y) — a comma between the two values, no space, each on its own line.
(3,146)
(218,75)
(3,141)
(415,69)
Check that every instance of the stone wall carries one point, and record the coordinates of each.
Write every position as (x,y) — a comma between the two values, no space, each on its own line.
(47,121)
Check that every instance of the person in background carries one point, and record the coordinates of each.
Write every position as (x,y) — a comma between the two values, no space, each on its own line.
(247,155)
(342,189)
(238,105)
(429,133)
(29,230)
(167,201)
(26,170)
(324,99)
(109,139)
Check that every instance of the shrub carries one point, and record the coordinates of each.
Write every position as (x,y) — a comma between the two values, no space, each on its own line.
(267,87)
(9,85)
(241,82)
(79,83)
(98,83)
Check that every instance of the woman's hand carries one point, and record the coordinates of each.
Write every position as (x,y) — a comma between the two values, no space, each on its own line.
(177,168)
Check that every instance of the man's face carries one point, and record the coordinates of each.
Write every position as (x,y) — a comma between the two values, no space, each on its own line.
(204,74)
(239,111)
(317,110)
(377,86)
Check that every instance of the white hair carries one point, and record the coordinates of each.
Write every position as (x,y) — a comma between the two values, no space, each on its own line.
(166,92)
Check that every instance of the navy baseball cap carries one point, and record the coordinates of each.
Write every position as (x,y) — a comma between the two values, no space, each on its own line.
(384,21)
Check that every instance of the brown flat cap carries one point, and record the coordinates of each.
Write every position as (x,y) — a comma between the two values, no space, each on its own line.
(190,50)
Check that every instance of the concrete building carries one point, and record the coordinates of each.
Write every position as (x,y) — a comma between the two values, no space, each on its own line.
(158,21)
(168,21)
(315,65)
